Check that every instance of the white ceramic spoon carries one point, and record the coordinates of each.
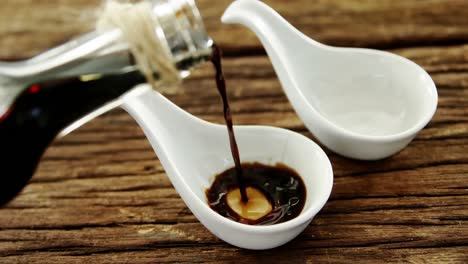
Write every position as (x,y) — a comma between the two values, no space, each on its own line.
(361,103)
(193,151)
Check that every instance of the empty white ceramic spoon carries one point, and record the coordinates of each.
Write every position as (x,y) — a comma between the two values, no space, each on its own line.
(360,103)
(193,151)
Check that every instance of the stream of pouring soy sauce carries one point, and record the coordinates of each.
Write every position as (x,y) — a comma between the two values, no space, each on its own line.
(281,185)
(221,84)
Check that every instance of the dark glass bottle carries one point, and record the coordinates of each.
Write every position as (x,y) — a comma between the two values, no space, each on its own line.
(37,112)
(41,112)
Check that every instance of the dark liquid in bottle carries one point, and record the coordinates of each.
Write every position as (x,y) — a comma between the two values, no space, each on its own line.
(280,184)
(40,113)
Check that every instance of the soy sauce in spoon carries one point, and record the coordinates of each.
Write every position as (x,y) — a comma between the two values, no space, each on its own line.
(281,186)
(254,194)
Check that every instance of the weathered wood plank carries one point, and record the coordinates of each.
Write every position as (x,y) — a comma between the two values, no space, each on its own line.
(101,195)
(216,254)
(387,203)
(156,236)
(28,27)
(257,98)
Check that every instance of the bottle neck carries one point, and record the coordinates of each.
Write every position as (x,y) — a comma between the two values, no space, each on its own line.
(179,27)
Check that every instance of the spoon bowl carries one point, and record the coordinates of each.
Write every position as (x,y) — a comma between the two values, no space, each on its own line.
(360,103)
(193,151)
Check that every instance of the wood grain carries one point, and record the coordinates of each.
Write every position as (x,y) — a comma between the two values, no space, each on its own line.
(101,195)
(30,26)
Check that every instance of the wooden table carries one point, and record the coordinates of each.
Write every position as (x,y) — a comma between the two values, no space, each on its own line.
(101,195)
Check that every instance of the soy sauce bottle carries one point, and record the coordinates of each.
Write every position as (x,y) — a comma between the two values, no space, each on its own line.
(54,92)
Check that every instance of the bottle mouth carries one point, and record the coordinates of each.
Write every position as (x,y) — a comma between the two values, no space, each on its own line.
(182,30)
